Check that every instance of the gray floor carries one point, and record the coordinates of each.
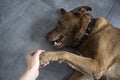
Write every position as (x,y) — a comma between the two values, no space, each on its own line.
(23,24)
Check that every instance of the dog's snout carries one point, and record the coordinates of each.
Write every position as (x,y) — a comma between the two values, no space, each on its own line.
(49,36)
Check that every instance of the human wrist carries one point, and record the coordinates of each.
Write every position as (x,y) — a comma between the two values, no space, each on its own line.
(33,72)
(32,68)
(30,74)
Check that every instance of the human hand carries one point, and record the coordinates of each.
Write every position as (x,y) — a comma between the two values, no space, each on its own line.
(32,59)
(33,63)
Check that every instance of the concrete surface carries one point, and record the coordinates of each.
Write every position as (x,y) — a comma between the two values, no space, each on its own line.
(24,23)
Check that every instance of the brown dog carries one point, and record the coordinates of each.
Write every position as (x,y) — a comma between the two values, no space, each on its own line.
(97,40)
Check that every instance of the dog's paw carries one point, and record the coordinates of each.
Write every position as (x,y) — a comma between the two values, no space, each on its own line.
(46,57)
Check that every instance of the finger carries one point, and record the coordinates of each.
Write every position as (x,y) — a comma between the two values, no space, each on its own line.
(38,52)
(33,52)
(30,54)
(41,51)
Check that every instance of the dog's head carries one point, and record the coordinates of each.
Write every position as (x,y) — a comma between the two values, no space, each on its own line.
(70,27)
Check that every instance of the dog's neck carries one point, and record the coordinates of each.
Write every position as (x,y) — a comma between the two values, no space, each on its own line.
(88,30)
(92,28)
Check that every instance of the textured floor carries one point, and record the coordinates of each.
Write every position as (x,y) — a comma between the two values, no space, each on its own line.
(24,23)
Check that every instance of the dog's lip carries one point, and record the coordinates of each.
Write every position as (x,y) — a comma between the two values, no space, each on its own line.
(60,41)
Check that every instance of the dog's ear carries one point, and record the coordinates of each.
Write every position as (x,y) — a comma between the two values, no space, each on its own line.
(63,11)
(81,9)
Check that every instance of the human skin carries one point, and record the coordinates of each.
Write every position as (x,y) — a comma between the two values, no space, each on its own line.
(33,65)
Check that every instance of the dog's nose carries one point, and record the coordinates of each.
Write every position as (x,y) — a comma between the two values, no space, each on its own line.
(49,35)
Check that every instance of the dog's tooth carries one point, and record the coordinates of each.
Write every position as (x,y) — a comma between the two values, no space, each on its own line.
(55,43)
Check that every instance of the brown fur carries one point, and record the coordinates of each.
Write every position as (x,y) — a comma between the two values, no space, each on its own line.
(100,52)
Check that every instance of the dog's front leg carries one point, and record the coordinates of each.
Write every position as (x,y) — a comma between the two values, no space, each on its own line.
(83,64)
(52,56)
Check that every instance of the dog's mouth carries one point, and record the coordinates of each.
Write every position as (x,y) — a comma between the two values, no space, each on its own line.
(61,41)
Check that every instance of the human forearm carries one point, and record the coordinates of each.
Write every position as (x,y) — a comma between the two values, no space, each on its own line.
(30,74)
